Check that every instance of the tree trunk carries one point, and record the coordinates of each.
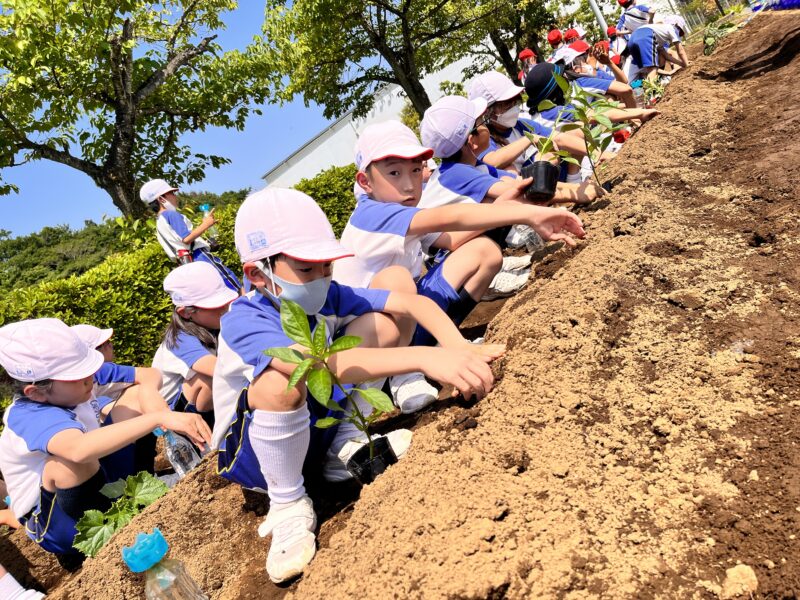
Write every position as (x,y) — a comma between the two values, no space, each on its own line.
(504,54)
(121,186)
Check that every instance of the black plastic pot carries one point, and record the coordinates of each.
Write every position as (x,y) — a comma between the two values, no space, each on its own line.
(364,469)
(545,179)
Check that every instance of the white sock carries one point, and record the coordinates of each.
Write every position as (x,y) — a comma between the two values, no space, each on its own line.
(280,443)
(574,177)
(347,431)
(10,589)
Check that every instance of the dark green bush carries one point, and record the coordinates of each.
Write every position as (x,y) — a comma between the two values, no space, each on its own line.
(333,191)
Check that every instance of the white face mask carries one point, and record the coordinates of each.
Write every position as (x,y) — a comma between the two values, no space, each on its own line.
(310,296)
(508,118)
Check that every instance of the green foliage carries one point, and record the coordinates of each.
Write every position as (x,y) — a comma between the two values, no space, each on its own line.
(333,191)
(320,379)
(96,528)
(653,90)
(110,88)
(713,33)
(410,117)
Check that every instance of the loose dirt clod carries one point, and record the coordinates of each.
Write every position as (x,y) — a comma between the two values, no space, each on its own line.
(740,580)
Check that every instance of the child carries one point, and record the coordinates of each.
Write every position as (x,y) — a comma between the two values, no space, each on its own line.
(541,85)
(509,148)
(187,356)
(633,17)
(555,39)
(571,35)
(581,73)
(527,58)
(58,447)
(649,44)
(10,589)
(175,233)
(262,429)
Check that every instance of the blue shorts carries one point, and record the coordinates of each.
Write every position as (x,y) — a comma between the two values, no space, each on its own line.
(236,460)
(643,48)
(225,273)
(53,529)
(433,285)
(597,85)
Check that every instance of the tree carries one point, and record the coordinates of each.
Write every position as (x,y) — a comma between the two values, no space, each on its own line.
(337,53)
(108,87)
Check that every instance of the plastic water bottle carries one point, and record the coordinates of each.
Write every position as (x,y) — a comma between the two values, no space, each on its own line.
(212,232)
(180,452)
(638,92)
(165,578)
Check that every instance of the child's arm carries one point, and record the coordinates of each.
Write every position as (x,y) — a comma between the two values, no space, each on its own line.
(77,446)
(205,224)
(149,381)
(205,365)
(550,223)
(506,155)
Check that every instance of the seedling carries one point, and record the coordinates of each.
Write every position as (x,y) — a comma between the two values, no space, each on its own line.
(312,364)
(587,111)
(96,528)
(653,91)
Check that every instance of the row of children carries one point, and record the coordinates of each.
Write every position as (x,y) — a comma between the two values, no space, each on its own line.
(415,258)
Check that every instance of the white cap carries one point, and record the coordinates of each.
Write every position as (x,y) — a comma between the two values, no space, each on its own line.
(446,125)
(493,87)
(154,189)
(677,21)
(390,138)
(92,336)
(282,221)
(198,284)
(39,349)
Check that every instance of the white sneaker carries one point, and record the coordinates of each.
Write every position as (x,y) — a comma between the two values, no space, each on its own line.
(504,284)
(412,392)
(335,469)
(293,544)
(516,263)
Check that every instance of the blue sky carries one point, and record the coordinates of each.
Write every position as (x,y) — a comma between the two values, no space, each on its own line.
(52,194)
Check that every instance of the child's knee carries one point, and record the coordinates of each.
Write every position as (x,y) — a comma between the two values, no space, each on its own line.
(489,254)
(396,279)
(62,474)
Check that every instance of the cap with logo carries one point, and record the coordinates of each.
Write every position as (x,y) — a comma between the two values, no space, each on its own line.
(493,87)
(198,284)
(388,139)
(282,221)
(154,189)
(40,349)
(447,124)
(92,336)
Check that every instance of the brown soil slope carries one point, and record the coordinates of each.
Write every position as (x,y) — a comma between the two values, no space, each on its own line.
(642,438)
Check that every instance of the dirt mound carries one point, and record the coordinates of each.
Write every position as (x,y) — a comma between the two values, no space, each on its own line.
(642,438)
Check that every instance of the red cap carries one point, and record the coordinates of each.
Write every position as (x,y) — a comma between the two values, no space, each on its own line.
(616,59)
(621,136)
(554,37)
(526,53)
(571,34)
(580,46)
(624,2)
(611,31)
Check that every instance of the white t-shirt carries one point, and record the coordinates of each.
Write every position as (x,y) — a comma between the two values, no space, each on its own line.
(171,228)
(176,363)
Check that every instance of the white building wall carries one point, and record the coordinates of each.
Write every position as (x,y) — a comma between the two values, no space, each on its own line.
(333,146)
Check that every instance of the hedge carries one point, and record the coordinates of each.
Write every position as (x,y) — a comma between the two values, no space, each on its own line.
(125,291)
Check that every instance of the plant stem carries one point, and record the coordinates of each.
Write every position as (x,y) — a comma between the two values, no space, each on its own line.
(591,162)
(360,421)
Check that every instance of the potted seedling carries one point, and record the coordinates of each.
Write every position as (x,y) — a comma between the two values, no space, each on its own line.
(544,173)
(653,91)
(312,363)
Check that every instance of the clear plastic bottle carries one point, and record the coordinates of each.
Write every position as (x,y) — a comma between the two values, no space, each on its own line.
(212,232)
(180,452)
(165,578)
(638,92)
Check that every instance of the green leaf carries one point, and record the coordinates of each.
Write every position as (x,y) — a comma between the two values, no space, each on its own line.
(562,83)
(114,489)
(545,105)
(571,160)
(295,323)
(327,422)
(144,489)
(298,373)
(93,532)
(571,127)
(320,384)
(320,338)
(604,121)
(379,401)
(346,342)
(287,355)
(605,143)
(121,513)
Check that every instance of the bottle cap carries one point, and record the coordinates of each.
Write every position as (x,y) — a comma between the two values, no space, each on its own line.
(158,432)
(205,207)
(147,550)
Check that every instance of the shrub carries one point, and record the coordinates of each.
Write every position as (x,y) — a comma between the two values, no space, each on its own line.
(333,191)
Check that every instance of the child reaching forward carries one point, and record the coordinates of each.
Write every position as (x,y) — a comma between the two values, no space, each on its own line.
(58,447)
(264,430)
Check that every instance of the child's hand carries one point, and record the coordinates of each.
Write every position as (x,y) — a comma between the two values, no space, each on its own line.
(209,219)
(492,351)
(516,193)
(466,370)
(599,52)
(191,425)
(554,224)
